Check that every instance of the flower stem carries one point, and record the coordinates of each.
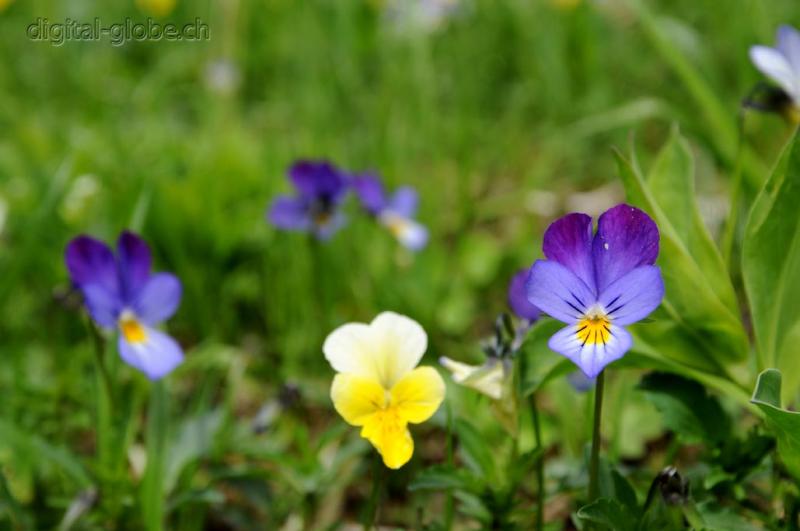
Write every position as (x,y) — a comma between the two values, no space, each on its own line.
(105,403)
(540,489)
(153,482)
(594,462)
(378,478)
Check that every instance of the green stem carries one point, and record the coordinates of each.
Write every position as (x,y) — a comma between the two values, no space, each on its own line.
(104,404)
(378,479)
(449,511)
(594,462)
(729,230)
(540,488)
(153,482)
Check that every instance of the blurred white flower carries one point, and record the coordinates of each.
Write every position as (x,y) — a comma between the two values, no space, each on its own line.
(79,197)
(421,15)
(222,76)
(491,378)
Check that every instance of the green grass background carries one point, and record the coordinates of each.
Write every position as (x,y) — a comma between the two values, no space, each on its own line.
(499,103)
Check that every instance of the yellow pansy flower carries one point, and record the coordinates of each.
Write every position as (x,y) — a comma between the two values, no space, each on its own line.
(379,386)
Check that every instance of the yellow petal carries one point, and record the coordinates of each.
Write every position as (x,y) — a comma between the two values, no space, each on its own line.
(356,398)
(417,396)
(390,436)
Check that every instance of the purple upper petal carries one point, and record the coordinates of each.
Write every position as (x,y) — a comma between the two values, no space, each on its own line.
(91,261)
(634,296)
(158,299)
(134,259)
(555,290)
(404,202)
(626,239)
(370,192)
(321,180)
(568,241)
(291,213)
(518,297)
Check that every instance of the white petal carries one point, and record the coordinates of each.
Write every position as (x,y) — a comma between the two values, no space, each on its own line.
(403,342)
(408,232)
(775,65)
(385,350)
(487,379)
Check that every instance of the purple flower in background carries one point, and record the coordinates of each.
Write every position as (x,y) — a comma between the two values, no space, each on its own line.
(120,292)
(320,187)
(396,212)
(782,63)
(518,297)
(597,284)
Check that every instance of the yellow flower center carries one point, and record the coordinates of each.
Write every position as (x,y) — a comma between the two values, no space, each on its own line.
(594,328)
(131,329)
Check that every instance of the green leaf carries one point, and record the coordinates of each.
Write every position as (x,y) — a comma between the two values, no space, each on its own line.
(446,477)
(699,309)
(771,268)
(786,424)
(687,409)
(477,455)
(607,513)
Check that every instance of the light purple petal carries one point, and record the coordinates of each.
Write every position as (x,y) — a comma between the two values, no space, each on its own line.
(568,241)
(634,296)
(556,291)
(134,263)
(626,239)
(156,356)
(290,213)
(590,358)
(103,306)
(774,65)
(325,230)
(404,202)
(91,261)
(318,179)
(579,381)
(370,192)
(158,299)
(409,233)
(789,46)
(518,297)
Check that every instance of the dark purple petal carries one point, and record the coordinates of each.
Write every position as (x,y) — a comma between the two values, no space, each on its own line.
(156,356)
(290,213)
(318,180)
(568,241)
(404,202)
(91,261)
(134,263)
(556,291)
(591,358)
(518,297)
(370,193)
(158,299)
(103,305)
(634,296)
(626,239)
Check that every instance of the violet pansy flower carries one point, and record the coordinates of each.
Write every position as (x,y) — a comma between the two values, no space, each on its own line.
(395,212)
(597,284)
(518,297)
(121,293)
(782,63)
(320,188)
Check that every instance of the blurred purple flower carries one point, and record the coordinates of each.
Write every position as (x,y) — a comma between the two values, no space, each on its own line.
(782,63)
(396,212)
(518,297)
(597,285)
(320,187)
(120,292)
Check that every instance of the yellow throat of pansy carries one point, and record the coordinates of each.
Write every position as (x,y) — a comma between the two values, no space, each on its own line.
(131,329)
(594,328)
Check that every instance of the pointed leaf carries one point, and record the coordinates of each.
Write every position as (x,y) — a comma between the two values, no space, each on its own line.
(786,424)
